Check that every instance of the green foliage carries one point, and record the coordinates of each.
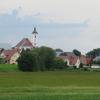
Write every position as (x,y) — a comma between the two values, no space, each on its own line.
(46,58)
(2,60)
(37,59)
(76,52)
(96,62)
(93,53)
(59,63)
(81,65)
(27,61)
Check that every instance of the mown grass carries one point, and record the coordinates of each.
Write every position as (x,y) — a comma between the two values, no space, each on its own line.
(60,85)
(52,85)
(8,68)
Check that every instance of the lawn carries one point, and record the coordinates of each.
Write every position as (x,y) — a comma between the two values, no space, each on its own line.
(59,85)
(8,68)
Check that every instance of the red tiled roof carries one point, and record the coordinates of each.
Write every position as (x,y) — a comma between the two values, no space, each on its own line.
(24,43)
(9,53)
(73,59)
(85,60)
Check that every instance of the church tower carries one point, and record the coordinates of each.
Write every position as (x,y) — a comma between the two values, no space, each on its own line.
(34,37)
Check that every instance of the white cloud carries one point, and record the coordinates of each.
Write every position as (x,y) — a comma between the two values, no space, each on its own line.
(57,10)
(62,11)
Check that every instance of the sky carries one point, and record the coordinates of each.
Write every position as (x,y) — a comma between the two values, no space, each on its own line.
(65,24)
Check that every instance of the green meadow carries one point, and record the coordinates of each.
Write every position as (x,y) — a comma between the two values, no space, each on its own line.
(52,85)
(8,68)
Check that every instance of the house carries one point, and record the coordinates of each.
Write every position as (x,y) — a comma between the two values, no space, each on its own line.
(24,44)
(73,60)
(69,57)
(11,56)
(85,60)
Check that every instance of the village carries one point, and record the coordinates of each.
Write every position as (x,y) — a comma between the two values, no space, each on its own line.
(49,50)
(10,56)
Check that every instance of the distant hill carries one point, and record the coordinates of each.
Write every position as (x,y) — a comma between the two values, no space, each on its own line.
(5,45)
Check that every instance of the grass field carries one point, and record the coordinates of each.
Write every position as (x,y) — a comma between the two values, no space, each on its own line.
(8,68)
(59,85)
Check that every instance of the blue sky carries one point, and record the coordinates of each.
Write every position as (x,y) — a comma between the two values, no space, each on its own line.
(61,24)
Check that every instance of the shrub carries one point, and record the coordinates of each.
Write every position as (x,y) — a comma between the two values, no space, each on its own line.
(59,63)
(37,59)
(2,60)
(27,61)
(81,65)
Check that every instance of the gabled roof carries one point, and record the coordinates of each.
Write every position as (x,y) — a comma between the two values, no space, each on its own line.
(24,43)
(73,59)
(9,53)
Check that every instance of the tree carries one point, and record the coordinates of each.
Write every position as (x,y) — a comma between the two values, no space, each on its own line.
(77,53)
(27,61)
(59,63)
(93,53)
(47,56)
(37,59)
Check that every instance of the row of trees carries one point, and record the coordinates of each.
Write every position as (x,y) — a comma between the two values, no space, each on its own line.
(39,59)
(93,53)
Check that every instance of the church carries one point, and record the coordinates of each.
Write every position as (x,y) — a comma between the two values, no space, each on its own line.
(13,54)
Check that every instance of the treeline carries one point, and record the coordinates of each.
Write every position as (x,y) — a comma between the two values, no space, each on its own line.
(94,53)
(39,59)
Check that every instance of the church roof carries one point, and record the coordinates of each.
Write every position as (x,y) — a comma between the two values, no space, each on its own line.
(24,43)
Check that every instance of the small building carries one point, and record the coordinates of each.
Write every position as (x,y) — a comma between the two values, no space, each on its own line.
(11,56)
(73,60)
(70,58)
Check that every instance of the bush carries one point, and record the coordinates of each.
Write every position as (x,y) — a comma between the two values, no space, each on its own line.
(47,56)
(27,61)
(37,59)
(81,65)
(74,67)
(96,62)
(59,63)
(2,60)
(86,69)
